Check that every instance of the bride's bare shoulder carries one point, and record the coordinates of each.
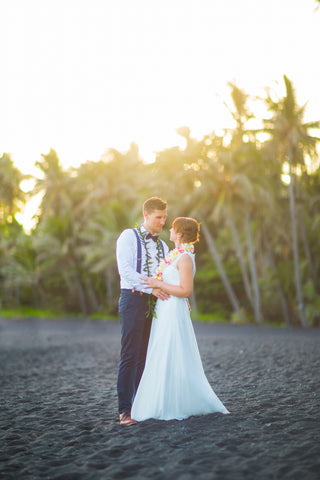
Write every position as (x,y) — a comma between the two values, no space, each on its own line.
(185,260)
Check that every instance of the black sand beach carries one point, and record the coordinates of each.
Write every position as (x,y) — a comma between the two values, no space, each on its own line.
(59,415)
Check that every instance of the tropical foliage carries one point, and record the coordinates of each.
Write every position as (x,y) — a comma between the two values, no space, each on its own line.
(256,192)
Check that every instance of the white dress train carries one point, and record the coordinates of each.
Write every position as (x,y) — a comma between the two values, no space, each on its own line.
(173,384)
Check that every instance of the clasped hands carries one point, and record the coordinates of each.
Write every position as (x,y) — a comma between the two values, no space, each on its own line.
(155,284)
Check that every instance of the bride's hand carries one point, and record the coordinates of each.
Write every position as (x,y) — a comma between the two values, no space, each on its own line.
(157,292)
(150,282)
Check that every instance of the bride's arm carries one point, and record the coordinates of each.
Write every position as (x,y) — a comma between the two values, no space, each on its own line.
(185,288)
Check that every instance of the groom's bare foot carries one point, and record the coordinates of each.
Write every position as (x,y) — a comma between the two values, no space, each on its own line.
(125,419)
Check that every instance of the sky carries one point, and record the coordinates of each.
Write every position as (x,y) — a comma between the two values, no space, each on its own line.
(82,76)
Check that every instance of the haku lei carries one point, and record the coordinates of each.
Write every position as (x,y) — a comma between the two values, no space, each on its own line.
(146,267)
(171,257)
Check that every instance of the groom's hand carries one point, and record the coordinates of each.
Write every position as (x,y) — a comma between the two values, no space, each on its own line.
(157,292)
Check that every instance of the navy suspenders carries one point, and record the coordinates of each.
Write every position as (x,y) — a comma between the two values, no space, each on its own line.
(139,256)
(139,251)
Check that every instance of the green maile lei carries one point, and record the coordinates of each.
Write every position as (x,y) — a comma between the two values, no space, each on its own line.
(148,264)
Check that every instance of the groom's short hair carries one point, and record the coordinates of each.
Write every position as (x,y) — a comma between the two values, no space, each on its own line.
(154,203)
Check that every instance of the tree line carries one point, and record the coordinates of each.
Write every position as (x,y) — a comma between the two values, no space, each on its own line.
(255,191)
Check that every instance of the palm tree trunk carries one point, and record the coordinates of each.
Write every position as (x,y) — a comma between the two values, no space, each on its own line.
(212,248)
(68,281)
(17,293)
(92,295)
(253,270)
(38,296)
(271,262)
(307,248)
(302,315)
(240,256)
(283,300)
(81,295)
(305,238)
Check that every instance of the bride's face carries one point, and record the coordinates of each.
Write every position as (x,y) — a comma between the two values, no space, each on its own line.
(174,237)
(171,234)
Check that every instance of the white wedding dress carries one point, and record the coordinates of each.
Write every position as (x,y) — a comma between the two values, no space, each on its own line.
(173,384)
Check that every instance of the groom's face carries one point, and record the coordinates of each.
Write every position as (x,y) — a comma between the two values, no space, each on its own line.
(154,221)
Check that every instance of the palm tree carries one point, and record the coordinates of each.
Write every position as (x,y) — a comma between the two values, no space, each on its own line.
(54,185)
(20,269)
(9,233)
(57,260)
(108,198)
(215,255)
(202,194)
(98,243)
(238,188)
(292,140)
(10,193)
(57,233)
(11,200)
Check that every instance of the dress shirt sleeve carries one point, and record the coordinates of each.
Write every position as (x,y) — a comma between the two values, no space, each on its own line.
(126,253)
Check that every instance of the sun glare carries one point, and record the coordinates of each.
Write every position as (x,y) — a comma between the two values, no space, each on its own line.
(285,178)
(27,216)
(82,77)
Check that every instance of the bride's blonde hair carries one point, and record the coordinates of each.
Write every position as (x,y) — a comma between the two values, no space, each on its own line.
(189,227)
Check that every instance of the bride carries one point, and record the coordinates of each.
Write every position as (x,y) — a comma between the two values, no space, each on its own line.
(173,384)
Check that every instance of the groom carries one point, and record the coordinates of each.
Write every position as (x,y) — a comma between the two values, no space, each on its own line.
(138,252)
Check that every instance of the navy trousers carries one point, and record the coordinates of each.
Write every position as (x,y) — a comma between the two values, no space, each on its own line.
(135,331)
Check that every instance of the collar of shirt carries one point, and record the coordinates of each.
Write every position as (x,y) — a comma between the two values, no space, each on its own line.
(144,230)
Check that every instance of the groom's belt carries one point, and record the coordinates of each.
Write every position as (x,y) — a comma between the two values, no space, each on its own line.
(133,290)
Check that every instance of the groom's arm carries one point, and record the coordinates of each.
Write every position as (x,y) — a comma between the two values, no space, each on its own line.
(126,253)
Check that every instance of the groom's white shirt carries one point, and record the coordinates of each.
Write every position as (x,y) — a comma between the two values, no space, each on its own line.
(126,253)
